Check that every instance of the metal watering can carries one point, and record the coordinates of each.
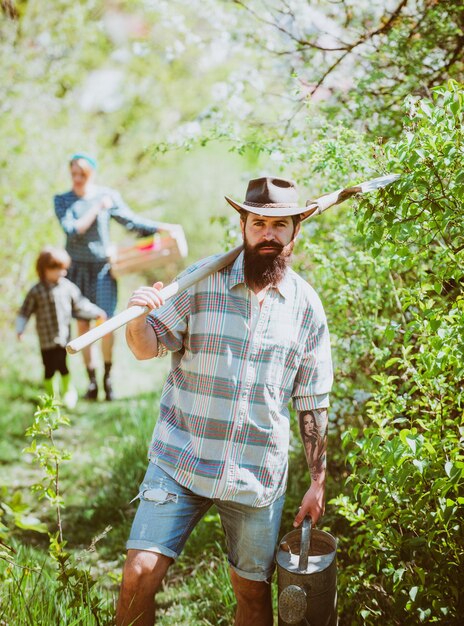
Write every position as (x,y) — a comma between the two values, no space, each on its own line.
(307,577)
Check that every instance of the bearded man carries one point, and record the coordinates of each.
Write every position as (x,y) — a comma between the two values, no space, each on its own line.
(244,342)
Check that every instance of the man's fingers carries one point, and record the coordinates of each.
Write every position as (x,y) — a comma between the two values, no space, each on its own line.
(310,508)
(298,519)
(147,296)
(302,514)
(148,300)
(303,511)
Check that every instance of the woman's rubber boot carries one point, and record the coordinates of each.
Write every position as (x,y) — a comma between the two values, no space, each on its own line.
(107,386)
(92,389)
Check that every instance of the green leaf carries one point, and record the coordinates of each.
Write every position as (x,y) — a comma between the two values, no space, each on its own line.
(413,593)
(412,443)
(398,574)
(425,107)
(391,362)
(421,465)
(29,522)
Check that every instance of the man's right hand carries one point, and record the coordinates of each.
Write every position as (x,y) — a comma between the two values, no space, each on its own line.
(140,336)
(147,296)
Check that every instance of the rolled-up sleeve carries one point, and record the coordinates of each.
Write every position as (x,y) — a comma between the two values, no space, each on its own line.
(314,378)
(170,322)
(127,218)
(65,215)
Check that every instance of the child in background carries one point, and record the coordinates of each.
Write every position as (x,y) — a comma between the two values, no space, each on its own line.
(55,300)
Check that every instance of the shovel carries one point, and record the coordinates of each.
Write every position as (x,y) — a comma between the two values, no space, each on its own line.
(314,207)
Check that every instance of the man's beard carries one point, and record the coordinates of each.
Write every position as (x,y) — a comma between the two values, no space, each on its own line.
(263,269)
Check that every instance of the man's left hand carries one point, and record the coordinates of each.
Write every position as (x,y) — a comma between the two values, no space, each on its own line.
(312,505)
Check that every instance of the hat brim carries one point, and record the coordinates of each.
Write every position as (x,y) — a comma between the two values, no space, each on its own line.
(267,211)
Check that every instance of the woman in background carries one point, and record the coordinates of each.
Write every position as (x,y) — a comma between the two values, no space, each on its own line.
(84,214)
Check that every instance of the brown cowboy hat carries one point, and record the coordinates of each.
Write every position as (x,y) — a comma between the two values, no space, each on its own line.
(271,197)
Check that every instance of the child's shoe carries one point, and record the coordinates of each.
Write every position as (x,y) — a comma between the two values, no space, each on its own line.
(70,398)
(68,392)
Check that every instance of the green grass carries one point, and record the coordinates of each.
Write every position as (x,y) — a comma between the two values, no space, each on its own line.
(108,443)
(31,596)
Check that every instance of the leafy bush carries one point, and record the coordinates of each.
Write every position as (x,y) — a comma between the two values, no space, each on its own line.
(404,497)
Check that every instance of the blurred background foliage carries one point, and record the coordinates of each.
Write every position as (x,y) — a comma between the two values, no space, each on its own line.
(184,101)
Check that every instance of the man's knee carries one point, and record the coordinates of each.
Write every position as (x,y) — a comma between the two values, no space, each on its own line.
(249,591)
(144,571)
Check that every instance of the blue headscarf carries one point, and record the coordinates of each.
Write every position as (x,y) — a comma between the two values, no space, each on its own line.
(82,155)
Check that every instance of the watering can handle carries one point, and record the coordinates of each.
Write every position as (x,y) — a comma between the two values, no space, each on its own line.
(305,543)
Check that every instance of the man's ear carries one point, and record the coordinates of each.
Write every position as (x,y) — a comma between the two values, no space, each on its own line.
(297,230)
(242,227)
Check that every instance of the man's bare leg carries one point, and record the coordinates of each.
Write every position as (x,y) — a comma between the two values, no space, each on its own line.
(254,605)
(143,574)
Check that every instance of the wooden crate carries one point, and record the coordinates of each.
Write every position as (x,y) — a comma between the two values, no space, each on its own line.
(166,247)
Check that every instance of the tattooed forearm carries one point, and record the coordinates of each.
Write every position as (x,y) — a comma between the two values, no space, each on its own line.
(313,429)
(318,470)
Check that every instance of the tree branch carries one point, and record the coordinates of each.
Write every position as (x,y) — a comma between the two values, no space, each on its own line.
(301,42)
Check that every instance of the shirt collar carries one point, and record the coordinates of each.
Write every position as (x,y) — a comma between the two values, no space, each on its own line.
(237,277)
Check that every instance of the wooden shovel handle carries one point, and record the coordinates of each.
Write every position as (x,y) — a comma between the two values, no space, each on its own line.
(186,281)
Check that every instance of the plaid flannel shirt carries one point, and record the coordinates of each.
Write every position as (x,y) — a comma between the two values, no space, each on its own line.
(93,245)
(224,423)
(54,305)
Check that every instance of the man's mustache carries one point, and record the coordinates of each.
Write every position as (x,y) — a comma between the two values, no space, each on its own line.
(269,244)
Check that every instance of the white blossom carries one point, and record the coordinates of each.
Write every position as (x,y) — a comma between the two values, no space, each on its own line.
(220,91)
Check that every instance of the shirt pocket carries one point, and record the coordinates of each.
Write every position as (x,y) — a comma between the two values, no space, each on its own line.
(283,362)
(283,370)
(273,363)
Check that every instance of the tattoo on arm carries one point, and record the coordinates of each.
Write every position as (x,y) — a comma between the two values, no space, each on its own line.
(313,429)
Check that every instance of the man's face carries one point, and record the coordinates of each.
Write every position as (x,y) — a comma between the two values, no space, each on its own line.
(268,235)
(268,247)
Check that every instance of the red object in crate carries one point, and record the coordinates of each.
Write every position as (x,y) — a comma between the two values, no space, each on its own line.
(163,248)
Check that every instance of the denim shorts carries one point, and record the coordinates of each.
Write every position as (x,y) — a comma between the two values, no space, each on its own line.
(168,513)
